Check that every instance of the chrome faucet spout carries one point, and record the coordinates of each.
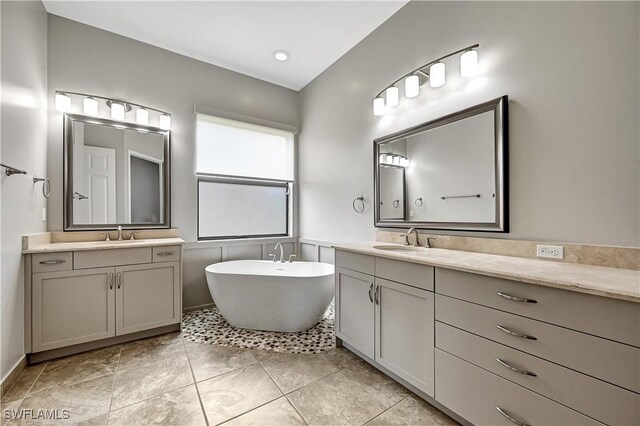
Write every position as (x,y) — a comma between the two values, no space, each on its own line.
(408,234)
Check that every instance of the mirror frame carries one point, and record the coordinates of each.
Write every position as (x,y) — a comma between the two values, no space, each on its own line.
(69,120)
(501,131)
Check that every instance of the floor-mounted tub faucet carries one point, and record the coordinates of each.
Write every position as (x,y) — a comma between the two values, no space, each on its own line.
(279,246)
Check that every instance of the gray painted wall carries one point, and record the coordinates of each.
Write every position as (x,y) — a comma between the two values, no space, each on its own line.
(24,140)
(571,72)
(89,60)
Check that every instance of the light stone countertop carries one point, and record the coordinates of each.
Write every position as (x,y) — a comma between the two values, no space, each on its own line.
(615,283)
(102,245)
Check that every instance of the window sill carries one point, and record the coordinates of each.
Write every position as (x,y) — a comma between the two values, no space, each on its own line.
(203,244)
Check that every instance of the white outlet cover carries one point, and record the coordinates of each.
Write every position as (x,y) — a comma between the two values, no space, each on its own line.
(551,252)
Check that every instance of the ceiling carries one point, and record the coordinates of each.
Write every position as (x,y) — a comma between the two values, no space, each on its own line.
(241,35)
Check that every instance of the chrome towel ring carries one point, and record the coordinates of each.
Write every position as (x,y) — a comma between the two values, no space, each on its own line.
(396,204)
(46,186)
(418,202)
(359,201)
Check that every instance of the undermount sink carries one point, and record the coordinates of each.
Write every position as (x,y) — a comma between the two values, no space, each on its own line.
(398,248)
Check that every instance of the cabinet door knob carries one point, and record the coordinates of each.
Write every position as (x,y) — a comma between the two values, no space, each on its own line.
(511,419)
(517,370)
(110,280)
(515,298)
(52,262)
(513,333)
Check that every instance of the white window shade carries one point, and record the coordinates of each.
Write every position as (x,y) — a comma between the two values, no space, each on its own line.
(233,148)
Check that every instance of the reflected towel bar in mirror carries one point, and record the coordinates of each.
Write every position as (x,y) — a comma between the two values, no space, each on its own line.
(446,197)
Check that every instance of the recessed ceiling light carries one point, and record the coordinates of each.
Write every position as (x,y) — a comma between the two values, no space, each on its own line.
(281,55)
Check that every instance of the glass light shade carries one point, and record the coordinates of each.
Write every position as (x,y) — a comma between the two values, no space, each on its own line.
(404,162)
(393,96)
(412,86)
(165,122)
(90,106)
(117,111)
(396,160)
(469,63)
(436,75)
(142,116)
(63,102)
(378,106)
(383,158)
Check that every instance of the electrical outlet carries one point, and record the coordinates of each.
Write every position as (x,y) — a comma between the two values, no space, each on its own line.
(553,252)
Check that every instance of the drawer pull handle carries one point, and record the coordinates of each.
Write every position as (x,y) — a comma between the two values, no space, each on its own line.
(513,333)
(511,419)
(370,291)
(166,253)
(53,262)
(517,370)
(516,299)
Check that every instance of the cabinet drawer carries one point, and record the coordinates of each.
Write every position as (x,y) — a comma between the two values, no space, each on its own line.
(597,399)
(413,274)
(166,253)
(476,395)
(610,361)
(116,257)
(355,261)
(615,319)
(51,262)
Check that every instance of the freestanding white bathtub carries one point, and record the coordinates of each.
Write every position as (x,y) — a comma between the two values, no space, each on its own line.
(271,296)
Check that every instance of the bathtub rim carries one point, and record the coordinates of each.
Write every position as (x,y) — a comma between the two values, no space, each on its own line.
(245,274)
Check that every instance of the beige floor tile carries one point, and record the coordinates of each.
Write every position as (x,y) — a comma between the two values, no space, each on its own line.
(84,400)
(335,400)
(137,384)
(178,407)
(341,357)
(292,371)
(215,360)
(412,411)
(237,392)
(100,420)
(7,410)
(23,385)
(278,412)
(148,351)
(79,368)
(381,387)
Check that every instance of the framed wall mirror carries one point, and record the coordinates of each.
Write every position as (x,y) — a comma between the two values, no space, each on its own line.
(449,173)
(115,174)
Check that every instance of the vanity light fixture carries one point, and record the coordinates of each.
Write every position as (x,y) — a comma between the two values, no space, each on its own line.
(116,109)
(393,96)
(142,116)
(63,102)
(436,75)
(433,72)
(281,55)
(165,122)
(469,63)
(90,106)
(390,159)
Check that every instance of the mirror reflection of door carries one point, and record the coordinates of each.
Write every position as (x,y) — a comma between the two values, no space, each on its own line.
(94,198)
(392,205)
(145,188)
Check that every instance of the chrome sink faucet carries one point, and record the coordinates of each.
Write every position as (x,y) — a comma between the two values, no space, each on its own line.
(408,234)
(279,246)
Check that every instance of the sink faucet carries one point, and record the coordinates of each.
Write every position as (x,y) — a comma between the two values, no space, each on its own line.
(408,234)
(428,243)
(279,246)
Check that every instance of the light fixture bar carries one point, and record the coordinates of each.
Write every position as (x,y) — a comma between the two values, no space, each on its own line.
(66,92)
(424,68)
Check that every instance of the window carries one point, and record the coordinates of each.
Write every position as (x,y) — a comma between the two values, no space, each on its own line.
(245,178)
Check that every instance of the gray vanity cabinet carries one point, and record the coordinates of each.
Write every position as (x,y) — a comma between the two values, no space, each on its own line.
(355,310)
(389,320)
(404,332)
(147,296)
(72,307)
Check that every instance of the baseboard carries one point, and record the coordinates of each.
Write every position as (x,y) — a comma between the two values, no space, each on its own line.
(199,307)
(12,376)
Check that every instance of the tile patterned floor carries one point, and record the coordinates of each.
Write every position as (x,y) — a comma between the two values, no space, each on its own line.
(168,380)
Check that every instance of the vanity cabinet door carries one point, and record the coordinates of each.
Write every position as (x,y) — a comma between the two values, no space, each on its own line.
(355,310)
(147,296)
(72,307)
(404,318)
